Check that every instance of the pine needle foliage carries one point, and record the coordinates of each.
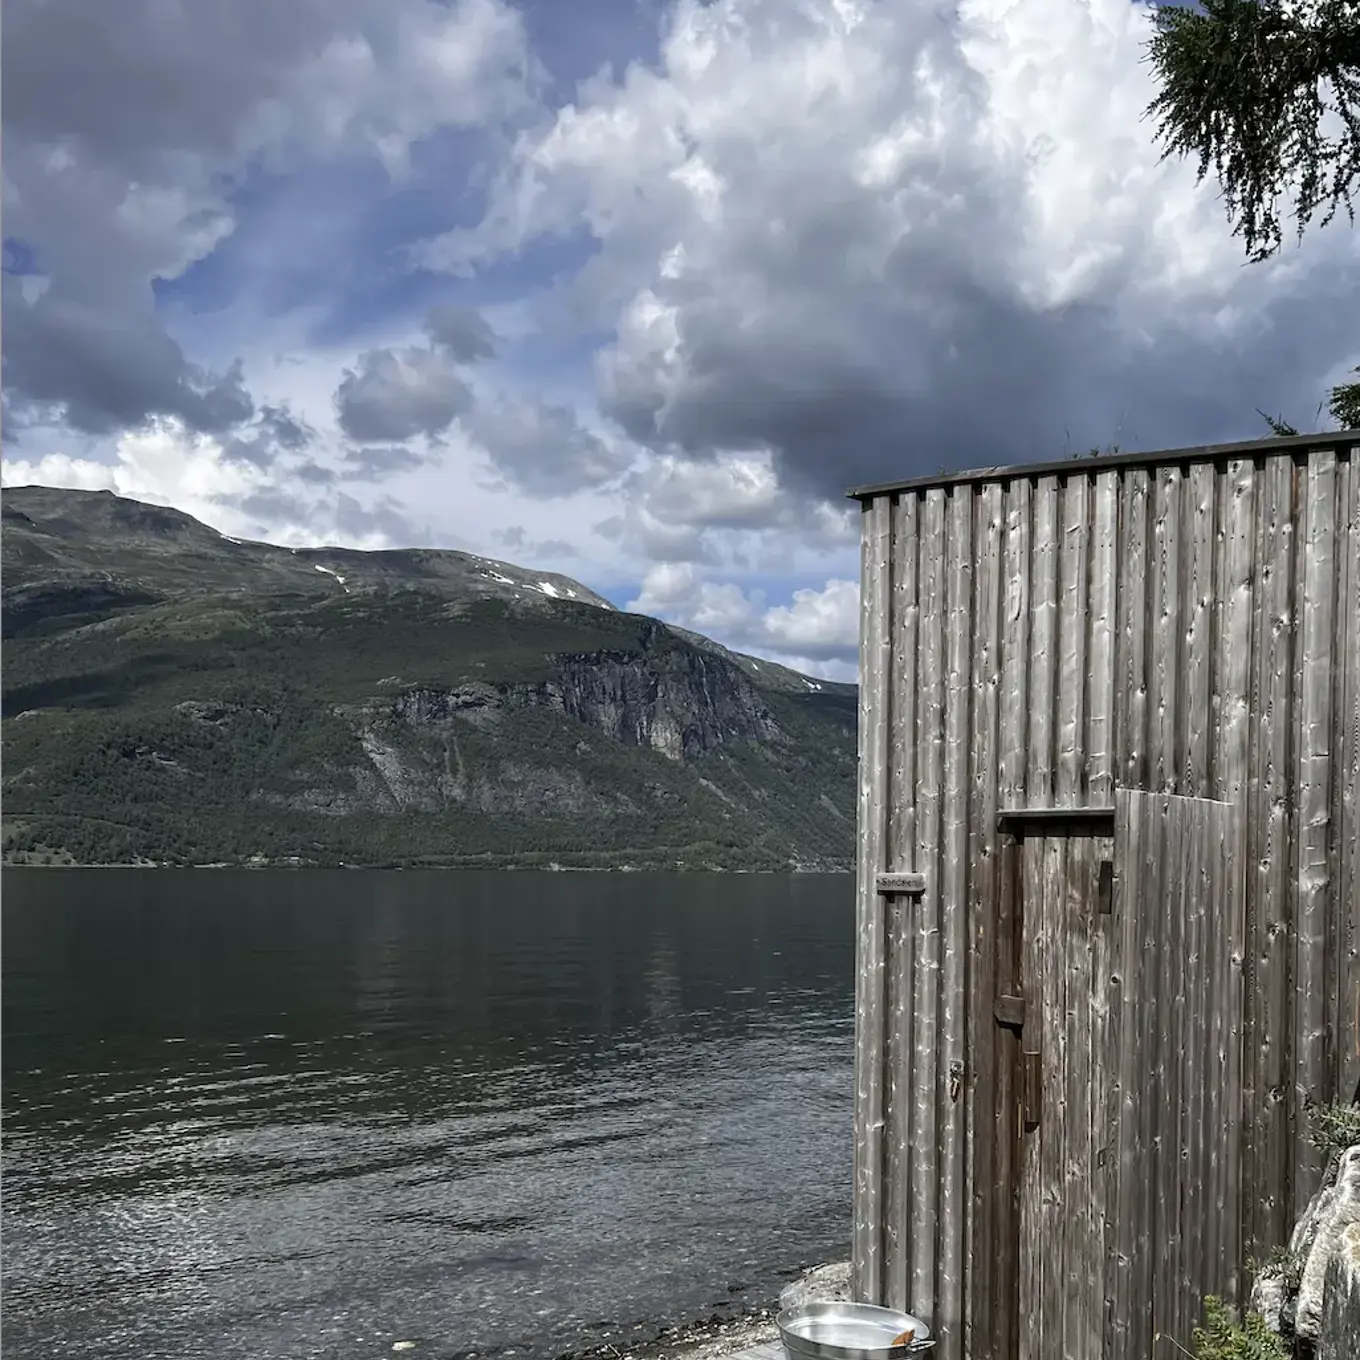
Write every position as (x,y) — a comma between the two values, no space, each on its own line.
(1266,94)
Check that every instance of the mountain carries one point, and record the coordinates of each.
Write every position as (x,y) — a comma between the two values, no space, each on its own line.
(173,695)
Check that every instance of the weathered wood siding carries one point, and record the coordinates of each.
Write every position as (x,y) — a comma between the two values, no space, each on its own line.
(1040,639)
(1171,1176)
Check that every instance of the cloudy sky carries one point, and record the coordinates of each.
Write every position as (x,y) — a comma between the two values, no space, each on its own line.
(627,289)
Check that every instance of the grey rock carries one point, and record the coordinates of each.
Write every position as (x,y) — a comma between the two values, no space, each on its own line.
(1320,1237)
(823,1284)
(1339,1326)
(680,702)
(1268,1297)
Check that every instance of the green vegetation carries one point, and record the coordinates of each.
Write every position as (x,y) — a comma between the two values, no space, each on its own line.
(1223,1337)
(1266,93)
(1334,1127)
(260,715)
(1281,1264)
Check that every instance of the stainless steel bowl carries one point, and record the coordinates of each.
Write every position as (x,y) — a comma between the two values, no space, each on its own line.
(849,1331)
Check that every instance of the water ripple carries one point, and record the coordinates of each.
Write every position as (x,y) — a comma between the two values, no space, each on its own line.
(261,1128)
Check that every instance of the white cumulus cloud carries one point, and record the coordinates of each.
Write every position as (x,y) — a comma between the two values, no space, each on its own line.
(885,239)
(816,632)
(167,464)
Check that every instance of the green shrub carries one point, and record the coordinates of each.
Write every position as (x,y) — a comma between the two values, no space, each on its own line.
(1281,1264)
(1334,1127)
(1223,1337)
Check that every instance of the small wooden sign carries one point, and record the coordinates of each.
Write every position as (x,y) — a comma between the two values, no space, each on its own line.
(907,885)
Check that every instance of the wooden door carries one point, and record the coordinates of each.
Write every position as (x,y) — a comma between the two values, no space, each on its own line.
(1116,983)
(1061,887)
(1180,906)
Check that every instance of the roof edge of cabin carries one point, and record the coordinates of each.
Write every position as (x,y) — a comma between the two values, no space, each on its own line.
(1300,443)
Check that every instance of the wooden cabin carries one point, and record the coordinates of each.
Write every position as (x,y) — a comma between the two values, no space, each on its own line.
(1108,881)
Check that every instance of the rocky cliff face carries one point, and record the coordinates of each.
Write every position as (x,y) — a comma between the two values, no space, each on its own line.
(680,702)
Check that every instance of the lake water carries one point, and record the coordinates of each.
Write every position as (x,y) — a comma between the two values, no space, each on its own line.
(312,1114)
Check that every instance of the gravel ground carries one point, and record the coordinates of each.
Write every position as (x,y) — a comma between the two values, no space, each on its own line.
(720,1337)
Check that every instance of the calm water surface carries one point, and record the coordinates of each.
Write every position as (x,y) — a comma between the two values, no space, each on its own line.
(311,1114)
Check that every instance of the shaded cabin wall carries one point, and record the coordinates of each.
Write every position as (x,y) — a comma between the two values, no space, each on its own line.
(1036,640)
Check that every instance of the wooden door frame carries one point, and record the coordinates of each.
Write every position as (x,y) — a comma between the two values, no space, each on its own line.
(1015,1034)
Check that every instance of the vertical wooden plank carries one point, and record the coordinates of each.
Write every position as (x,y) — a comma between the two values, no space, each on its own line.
(903,644)
(1014,740)
(1055,1228)
(1100,722)
(1041,1284)
(1170,1012)
(1076,1209)
(1213,1154)
(1225,915)
(1167,652)
(1032,1329)
(957,691)
(1269,1177)
(1196,887)
(1347,826)
(1126,1009)
(895,1229)
(1071,628)
(1227,905)
(1132,603)
(1067,1079)
(1012,774)
(1043,661)
(1006,1190)
(1312,1056)
(1105,1095)
(875,576)
(1153,884)
(1195,717)
(1234,903)
(982,1085)
(925,1020)
(1235,637)
(1235,643)
(901,933)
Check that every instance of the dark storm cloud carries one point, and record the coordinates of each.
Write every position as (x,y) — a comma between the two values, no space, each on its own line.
(517,540)
(349,518)
(104,370)
(543,450)
(274,433)
(127,128)
(397,394)
(311,473)
(462,332)
(372,463)
(138,80)
(555,547)
(990,380)
(101,101)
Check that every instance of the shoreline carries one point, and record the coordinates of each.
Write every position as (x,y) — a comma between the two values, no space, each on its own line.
(718,1337)
(454,868)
